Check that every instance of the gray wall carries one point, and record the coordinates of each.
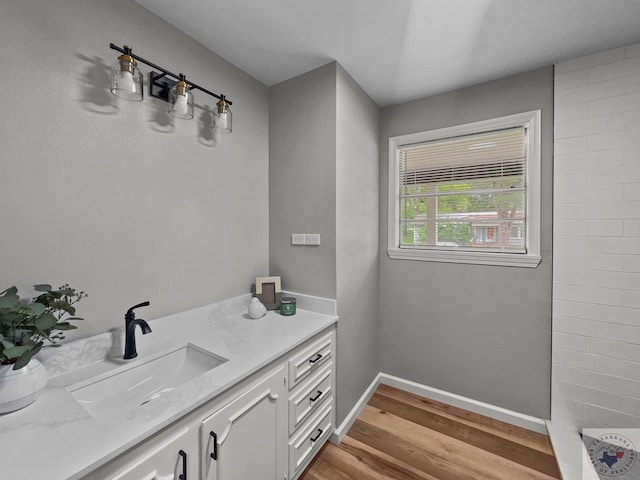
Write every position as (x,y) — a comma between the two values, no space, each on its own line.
(302,180)
(323,143)
(112,196)
(479,331)
(357,230)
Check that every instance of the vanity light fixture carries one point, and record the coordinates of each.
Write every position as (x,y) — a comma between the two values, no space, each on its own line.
(127,84)
(126,77)
(181,100)
(222,117)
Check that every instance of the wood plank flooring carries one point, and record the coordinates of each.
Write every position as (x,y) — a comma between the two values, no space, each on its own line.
(403,436)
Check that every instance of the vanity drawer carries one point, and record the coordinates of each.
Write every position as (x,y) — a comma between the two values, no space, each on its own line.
(310,395)
(304,446)
(310,359)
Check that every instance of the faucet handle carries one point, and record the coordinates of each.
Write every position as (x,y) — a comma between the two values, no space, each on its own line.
(130,314)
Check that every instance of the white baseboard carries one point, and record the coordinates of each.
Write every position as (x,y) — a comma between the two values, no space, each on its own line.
(498,413)
(343,428)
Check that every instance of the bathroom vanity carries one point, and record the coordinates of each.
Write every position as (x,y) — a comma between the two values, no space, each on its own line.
(261,408)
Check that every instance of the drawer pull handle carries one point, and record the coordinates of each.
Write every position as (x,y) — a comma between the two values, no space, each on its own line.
(317,396)
(313,439)
(214,454)
(183,475)
(317,357)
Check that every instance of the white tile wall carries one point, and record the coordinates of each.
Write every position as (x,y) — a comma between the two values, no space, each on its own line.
(596,320)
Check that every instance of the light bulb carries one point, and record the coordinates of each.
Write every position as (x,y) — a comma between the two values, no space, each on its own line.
(181,106)
(125,81)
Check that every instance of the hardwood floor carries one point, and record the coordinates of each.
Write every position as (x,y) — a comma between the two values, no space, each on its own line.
(401,436)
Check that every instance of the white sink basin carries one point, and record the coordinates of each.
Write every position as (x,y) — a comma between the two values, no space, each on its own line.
(143,380)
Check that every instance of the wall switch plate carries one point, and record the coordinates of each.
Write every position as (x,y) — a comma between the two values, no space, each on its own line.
(297,239)
(312,239)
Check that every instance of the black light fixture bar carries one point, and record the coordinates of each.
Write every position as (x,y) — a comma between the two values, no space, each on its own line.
(167,72)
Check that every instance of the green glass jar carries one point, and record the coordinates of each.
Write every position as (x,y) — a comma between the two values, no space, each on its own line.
(287,306)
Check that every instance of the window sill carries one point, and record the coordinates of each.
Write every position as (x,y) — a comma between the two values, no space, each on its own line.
(476,258)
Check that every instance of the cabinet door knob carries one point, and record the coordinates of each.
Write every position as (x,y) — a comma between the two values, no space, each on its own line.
(317,396)
(313,439)
(214,454)
(317,357)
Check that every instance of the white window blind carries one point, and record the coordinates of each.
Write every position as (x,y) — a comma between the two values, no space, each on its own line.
(464,193)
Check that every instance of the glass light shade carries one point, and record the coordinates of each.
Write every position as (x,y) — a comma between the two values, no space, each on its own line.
(126,79)
(181,101)
(222,118)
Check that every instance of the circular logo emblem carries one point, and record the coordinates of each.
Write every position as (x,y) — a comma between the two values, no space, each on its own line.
(612,454)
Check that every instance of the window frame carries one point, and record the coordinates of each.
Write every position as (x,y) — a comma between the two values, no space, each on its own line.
(530,259)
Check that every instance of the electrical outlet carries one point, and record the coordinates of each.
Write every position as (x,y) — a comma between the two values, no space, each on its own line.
(312,239)
(297,239)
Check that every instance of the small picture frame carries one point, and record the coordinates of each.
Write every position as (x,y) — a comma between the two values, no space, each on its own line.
(268,291)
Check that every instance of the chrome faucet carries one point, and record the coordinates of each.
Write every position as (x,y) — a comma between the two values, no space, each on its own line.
(130,331)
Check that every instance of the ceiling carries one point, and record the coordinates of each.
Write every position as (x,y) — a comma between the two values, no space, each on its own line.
(401,50)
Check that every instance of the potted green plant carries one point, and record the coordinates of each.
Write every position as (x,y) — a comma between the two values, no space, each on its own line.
(25,327)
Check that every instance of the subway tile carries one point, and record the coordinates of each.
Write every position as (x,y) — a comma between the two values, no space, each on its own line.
(631,193)
(588,328)
(612,348)
(604,193)
(570,113)
(603,261)
(571,293)
(570,211)
(631,119)
(613,175)
(606,227)
(631,370)
(569,80)
(616,245)
(619,280)
(571,178)
(613,314)
(631,156)
(566,309)
(631,263)
(631,299)
(600,364)
(569,276)
(620,104)
(571,228)
(570,145)
(595,59)
(609,140)
(630,405)
(626,67)
(568,162)
(569,244)
(589,395)
(631,334)
(571,358)
(610,417)
(632,226)
(571,194)
(569,341)
(591,126)
(588,93)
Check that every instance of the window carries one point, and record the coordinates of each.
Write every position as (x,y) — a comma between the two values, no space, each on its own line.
(467,194)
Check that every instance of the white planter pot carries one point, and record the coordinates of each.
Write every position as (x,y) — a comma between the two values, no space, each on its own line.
(19,388)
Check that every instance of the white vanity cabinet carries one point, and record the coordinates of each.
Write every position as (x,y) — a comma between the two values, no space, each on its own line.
(311,399)
(164,457)
(246,438)
(268,426)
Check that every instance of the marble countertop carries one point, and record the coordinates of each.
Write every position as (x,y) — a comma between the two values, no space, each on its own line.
(56,438)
